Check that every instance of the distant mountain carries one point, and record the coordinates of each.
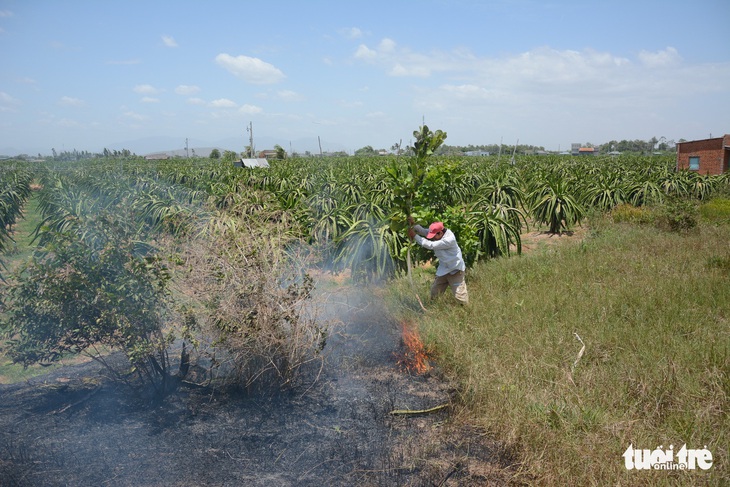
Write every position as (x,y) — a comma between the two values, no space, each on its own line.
(149,145)
(12,151)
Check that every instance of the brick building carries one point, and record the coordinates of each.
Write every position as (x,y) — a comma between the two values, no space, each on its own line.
(708,156)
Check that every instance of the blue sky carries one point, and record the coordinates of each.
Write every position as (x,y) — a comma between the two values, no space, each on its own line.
(92,74)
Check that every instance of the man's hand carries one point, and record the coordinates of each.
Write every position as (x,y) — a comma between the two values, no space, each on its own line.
(411,221)
(411,233)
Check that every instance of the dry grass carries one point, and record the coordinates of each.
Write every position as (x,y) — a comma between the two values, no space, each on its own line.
(246,302)
(651,307)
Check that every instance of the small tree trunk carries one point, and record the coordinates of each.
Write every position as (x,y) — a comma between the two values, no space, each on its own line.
(409,264)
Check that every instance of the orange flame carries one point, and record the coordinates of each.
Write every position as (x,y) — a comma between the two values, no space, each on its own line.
(414,356)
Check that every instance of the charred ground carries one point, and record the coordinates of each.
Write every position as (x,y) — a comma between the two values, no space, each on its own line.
(74,426)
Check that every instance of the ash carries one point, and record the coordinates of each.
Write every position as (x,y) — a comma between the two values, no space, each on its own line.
(74,427)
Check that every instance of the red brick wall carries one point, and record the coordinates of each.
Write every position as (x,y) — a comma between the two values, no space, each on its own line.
(712,153)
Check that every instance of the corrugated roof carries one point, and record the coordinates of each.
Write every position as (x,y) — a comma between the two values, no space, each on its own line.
(260,162)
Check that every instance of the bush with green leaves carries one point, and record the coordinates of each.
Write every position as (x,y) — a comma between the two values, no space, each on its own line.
(677,215)
(14,192)
(82,291)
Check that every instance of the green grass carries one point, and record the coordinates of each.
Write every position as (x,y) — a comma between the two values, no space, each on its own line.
(652,308)
(20,251)
(11,373)
(22,248)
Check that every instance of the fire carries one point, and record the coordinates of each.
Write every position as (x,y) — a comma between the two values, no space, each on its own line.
(414,356)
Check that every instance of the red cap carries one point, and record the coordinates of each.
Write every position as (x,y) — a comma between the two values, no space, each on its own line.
(434,228)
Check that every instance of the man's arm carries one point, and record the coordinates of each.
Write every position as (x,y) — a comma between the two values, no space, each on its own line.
(420,230)
(446,242)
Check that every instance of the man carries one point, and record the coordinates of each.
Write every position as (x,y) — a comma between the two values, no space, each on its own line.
(450,271)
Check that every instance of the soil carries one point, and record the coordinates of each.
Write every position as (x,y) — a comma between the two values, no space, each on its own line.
(74,426)
(541,240)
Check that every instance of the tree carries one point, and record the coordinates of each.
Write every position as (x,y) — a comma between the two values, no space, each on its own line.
(81,290)
(406,183)
(366,151)
(280,152)
(215,154)
(229,156)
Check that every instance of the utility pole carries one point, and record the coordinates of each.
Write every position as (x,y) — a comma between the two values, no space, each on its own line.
(249,129)
(187,154)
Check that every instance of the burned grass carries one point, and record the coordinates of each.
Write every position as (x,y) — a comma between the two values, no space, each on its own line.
(74,426)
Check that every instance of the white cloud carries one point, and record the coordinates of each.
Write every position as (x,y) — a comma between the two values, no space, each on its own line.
(544,76)
(400,61)
(150,99)
(68,101)
(413,70)
(364,52)
(250,109)
(8,104)
(387,45)
(289,95)
(351,33)
(660,59)
(195,101)
(223,103)
(6,13)
(250,69)
(470,92)
(169,41)
(187,90)
(6,99)
(561,91)
(135,116)
(146,90)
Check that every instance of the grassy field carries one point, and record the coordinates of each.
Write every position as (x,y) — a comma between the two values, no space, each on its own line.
(652,309)
(23,233)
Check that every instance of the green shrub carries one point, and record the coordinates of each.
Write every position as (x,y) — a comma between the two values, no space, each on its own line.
(677,215)
(716,210)
(632,214)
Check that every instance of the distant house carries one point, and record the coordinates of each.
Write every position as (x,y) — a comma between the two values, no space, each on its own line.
(579,150)
(587,151)
(707,156)
(267,154)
